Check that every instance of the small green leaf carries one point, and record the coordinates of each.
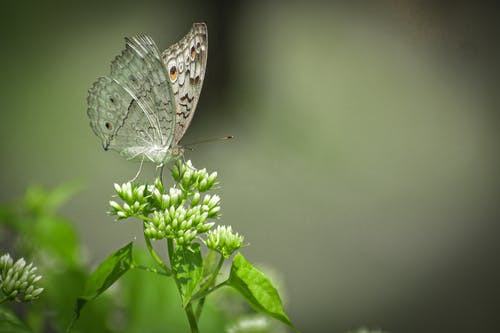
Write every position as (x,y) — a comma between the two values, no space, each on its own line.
(257,289)
(42,201)
(107,273)
(9,323)
(209,263)
(188,270)
(8,217)
(58,236)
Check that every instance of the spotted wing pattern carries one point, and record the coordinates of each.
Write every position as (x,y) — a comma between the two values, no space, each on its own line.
(186,62)
(132,109)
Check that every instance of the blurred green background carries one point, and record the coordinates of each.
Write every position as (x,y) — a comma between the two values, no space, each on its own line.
(365,164)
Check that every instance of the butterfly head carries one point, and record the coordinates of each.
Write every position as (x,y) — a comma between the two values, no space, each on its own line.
(176,151)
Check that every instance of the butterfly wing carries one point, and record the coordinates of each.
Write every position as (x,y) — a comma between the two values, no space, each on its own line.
(132,110)
(108,104)
(186,62)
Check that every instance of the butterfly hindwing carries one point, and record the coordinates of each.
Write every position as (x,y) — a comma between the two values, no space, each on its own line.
(116,117)
(186,62)
(132,109)
(108,105)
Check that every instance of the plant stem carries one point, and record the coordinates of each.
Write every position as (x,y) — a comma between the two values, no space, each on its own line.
(199,308)
(192,318)
(151,270)
(207,285)
(143,217)
(210,282)
(206,292)
(155,256)
(170,250)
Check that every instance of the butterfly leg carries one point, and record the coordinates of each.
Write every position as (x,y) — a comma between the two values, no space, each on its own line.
(159,167)
(139,171)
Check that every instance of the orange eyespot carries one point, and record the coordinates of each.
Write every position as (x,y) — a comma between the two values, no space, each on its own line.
(198,46)
(108,125)
(193,52)
(173,73)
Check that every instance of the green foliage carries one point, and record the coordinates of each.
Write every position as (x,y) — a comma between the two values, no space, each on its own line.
(9,323)
(108,272)
(32,228)
(182,216)
(257,289)
(108,300)
(188,268)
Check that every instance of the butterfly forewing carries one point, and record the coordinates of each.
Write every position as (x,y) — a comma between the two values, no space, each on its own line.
(186,62)
(140,70)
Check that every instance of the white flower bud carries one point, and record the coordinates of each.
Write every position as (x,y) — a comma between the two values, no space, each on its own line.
(115,205)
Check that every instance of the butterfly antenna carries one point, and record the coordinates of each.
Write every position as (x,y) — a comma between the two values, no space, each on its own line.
(224,138)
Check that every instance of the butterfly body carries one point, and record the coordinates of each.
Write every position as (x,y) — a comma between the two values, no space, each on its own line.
(144,106)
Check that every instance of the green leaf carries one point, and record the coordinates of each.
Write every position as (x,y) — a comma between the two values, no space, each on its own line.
(7,217)
(58,236)
(257,289)
(188,270)
(107,273)
(209,263)
(42,201)
(9,323)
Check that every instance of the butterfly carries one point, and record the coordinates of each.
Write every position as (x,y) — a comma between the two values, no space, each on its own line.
(145,105)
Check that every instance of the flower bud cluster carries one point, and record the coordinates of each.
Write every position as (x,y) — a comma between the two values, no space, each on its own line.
(182,222)
(224,240)
(134,200)
(180,213)
(18,280)
(192,180)
(162,201)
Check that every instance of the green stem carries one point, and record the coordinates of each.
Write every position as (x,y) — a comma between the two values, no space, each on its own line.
(211,281)
(199,308)
(206,292)
(3,299)
(151,270)
(207,285)
(170,249)
(192,318)
(143,217)
(155,256)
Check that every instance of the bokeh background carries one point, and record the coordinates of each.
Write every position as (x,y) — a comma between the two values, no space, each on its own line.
(365,164)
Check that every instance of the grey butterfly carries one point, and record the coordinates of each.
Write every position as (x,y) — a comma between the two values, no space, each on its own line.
(144,106)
